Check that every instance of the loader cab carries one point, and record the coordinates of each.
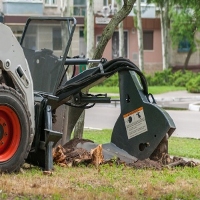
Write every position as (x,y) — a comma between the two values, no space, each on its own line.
(46,43)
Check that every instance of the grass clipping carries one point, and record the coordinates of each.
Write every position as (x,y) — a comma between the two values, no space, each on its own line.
(69,155)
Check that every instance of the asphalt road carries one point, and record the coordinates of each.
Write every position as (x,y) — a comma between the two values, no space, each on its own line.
(104,117)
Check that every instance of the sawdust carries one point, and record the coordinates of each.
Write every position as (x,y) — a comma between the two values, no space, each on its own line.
(69,155)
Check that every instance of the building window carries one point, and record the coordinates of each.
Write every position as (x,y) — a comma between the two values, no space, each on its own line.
(57,41)
(115,44)
(148,40)
(50,2)
(107,2)
(82,43)
(29,41)
(79,7)
(184,46)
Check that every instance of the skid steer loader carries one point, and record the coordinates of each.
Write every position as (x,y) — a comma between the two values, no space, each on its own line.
(34,92)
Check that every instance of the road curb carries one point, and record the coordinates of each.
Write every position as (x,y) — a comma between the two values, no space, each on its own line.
(194,106)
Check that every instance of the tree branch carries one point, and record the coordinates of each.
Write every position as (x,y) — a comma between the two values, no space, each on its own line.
(110,28)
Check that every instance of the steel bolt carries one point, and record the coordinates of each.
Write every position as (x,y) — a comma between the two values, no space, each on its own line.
(7,64)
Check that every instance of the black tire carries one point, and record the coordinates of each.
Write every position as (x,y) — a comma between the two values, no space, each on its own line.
(16,134)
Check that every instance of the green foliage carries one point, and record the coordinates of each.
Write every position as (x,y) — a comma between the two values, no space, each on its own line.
(172,80)
(183,27)
(180,78)
(168,78)
(160,78)
(193,85)
(184,16)
(111,81)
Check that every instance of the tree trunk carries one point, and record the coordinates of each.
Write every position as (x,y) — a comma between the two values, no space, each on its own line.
(90,28)
(121,32)
(187,59)
(140,36)
(106,36)
(65,12)
(79,127)
(190,52)
(110,28)
(162,36)
(164,32)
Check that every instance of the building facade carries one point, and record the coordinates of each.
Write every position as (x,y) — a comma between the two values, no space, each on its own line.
(16,12)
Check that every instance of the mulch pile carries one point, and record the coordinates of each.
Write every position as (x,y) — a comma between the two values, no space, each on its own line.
(69,155)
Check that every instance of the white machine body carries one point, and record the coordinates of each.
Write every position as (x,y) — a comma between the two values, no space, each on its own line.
(15,63)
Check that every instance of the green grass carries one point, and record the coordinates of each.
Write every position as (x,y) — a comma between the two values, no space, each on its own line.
(152,89)
(164,89)
(109,181)
(113,182)
(98,136)
(182,147)
(103,89)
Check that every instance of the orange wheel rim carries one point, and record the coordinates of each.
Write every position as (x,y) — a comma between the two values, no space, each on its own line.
(10,133)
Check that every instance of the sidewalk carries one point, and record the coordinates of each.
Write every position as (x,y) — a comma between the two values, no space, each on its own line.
(179,99)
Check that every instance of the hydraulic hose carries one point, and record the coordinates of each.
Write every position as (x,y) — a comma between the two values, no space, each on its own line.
(90,76)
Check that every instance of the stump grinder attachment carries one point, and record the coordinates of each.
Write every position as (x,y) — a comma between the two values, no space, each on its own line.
(40,104)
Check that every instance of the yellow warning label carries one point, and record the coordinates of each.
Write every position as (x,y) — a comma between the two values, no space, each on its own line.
(132,112)
(135,122)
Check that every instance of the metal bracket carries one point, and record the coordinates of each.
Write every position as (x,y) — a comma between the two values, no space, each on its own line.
(101,67)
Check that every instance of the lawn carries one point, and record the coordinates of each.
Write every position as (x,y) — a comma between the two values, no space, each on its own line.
(183,147)
(109,181)
(152,89)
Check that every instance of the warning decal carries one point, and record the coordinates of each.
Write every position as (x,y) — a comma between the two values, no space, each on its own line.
(135,122)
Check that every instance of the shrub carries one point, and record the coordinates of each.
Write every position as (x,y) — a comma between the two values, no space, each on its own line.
(193,85)
(148,78)
(181,78)
(111,81)
(165,78)
(160,78)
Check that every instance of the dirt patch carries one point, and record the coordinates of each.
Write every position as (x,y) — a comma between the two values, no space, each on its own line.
(69,155)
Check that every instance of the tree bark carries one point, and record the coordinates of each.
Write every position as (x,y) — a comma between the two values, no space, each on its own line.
(106,36)
(110,28)
(190,52)
(79,127)
(140,36)
(121,32)
(90,28)
(65,12)
(187,59)
(164,31)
